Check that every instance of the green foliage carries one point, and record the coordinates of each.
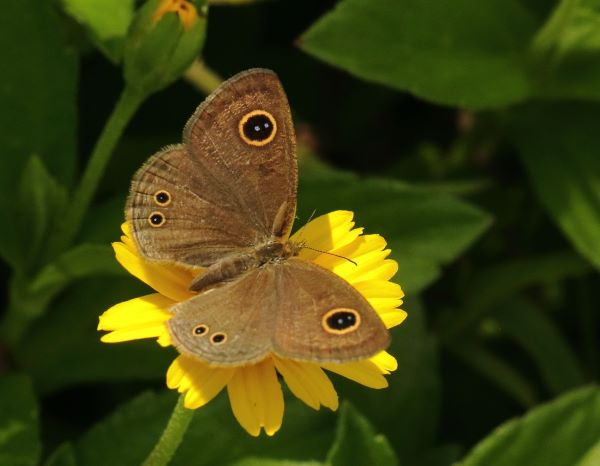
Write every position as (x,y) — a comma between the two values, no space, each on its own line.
(40,203)
(456,53)
(558,146)
(465,133)
(560,433)
(433,230)
(19,438)
(357,443)
(37,98)
(106,22)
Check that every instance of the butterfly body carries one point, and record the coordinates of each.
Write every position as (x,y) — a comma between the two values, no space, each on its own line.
(225,200)
(236,264)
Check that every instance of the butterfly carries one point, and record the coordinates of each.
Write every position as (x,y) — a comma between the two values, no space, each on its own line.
(225,200)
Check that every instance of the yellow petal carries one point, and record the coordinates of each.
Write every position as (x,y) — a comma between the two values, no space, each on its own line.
(200,382)
(148,331)
(366,253)
(256,398)
(308,382)
(364,372)
(384,303)
(380,270)
(326,232)
(137,318)
(151,308)
(169,280)
(392,317)
(379,289)
(165,340)
(385,362)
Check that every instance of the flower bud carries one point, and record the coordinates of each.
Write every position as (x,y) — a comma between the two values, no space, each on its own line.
(164,39)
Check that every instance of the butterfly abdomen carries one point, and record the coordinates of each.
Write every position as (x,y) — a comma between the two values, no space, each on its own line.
(236,264)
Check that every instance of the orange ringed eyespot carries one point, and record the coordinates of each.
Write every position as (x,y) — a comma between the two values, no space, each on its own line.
(156,219)
(257,128)
(162,198)
(340,320)
(218,338)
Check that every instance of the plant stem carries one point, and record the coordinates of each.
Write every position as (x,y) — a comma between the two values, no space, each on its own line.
(171,437)
(128,103)
(202,77)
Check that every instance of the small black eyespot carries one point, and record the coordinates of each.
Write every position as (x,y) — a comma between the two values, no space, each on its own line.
(257,128)
(218,338)
(341,320)
(162,198)
(156,219)
(200,329)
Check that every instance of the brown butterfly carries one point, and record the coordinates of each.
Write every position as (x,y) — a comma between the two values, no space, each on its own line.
(225,200)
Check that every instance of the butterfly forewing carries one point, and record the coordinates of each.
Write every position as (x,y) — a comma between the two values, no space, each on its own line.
(193,226)
(232,183)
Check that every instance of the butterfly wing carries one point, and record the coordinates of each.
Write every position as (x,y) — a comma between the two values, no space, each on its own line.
(294,309)
(322,318)
(230,185)
(239,314)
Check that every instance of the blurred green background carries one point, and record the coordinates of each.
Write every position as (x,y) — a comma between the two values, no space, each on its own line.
(467,133)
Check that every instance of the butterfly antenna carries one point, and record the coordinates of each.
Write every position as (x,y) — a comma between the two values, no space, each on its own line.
(307,222)
(331,254)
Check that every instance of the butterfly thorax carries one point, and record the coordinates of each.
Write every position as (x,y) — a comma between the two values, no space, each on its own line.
(238,263)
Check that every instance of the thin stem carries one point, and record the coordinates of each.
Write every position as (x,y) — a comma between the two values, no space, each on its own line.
(128,103)
(171,437)
(202,77)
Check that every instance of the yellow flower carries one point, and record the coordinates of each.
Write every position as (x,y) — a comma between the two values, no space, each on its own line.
(254,390)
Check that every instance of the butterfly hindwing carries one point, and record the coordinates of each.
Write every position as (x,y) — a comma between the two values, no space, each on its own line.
(294,309)
(322,318)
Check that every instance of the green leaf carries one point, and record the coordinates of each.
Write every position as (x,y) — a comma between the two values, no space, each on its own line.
(559,433)
(494,284)
(19,437)
(567,49)
(592,457)
(64,455)
(456,53)
(495,369)
(82,261)
(357,443)
(559,147)
(40,202)
(105,21)
(37,96)
(540,337)
(424,229)
(63,347)
(126,437)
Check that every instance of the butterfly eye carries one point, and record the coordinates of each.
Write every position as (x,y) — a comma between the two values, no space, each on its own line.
(218,338)
(258,128)
(200,330)
(162,198)
(156,219)
(340,320)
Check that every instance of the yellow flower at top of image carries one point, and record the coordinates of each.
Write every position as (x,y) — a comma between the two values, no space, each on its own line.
(183,8)
(254,390)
